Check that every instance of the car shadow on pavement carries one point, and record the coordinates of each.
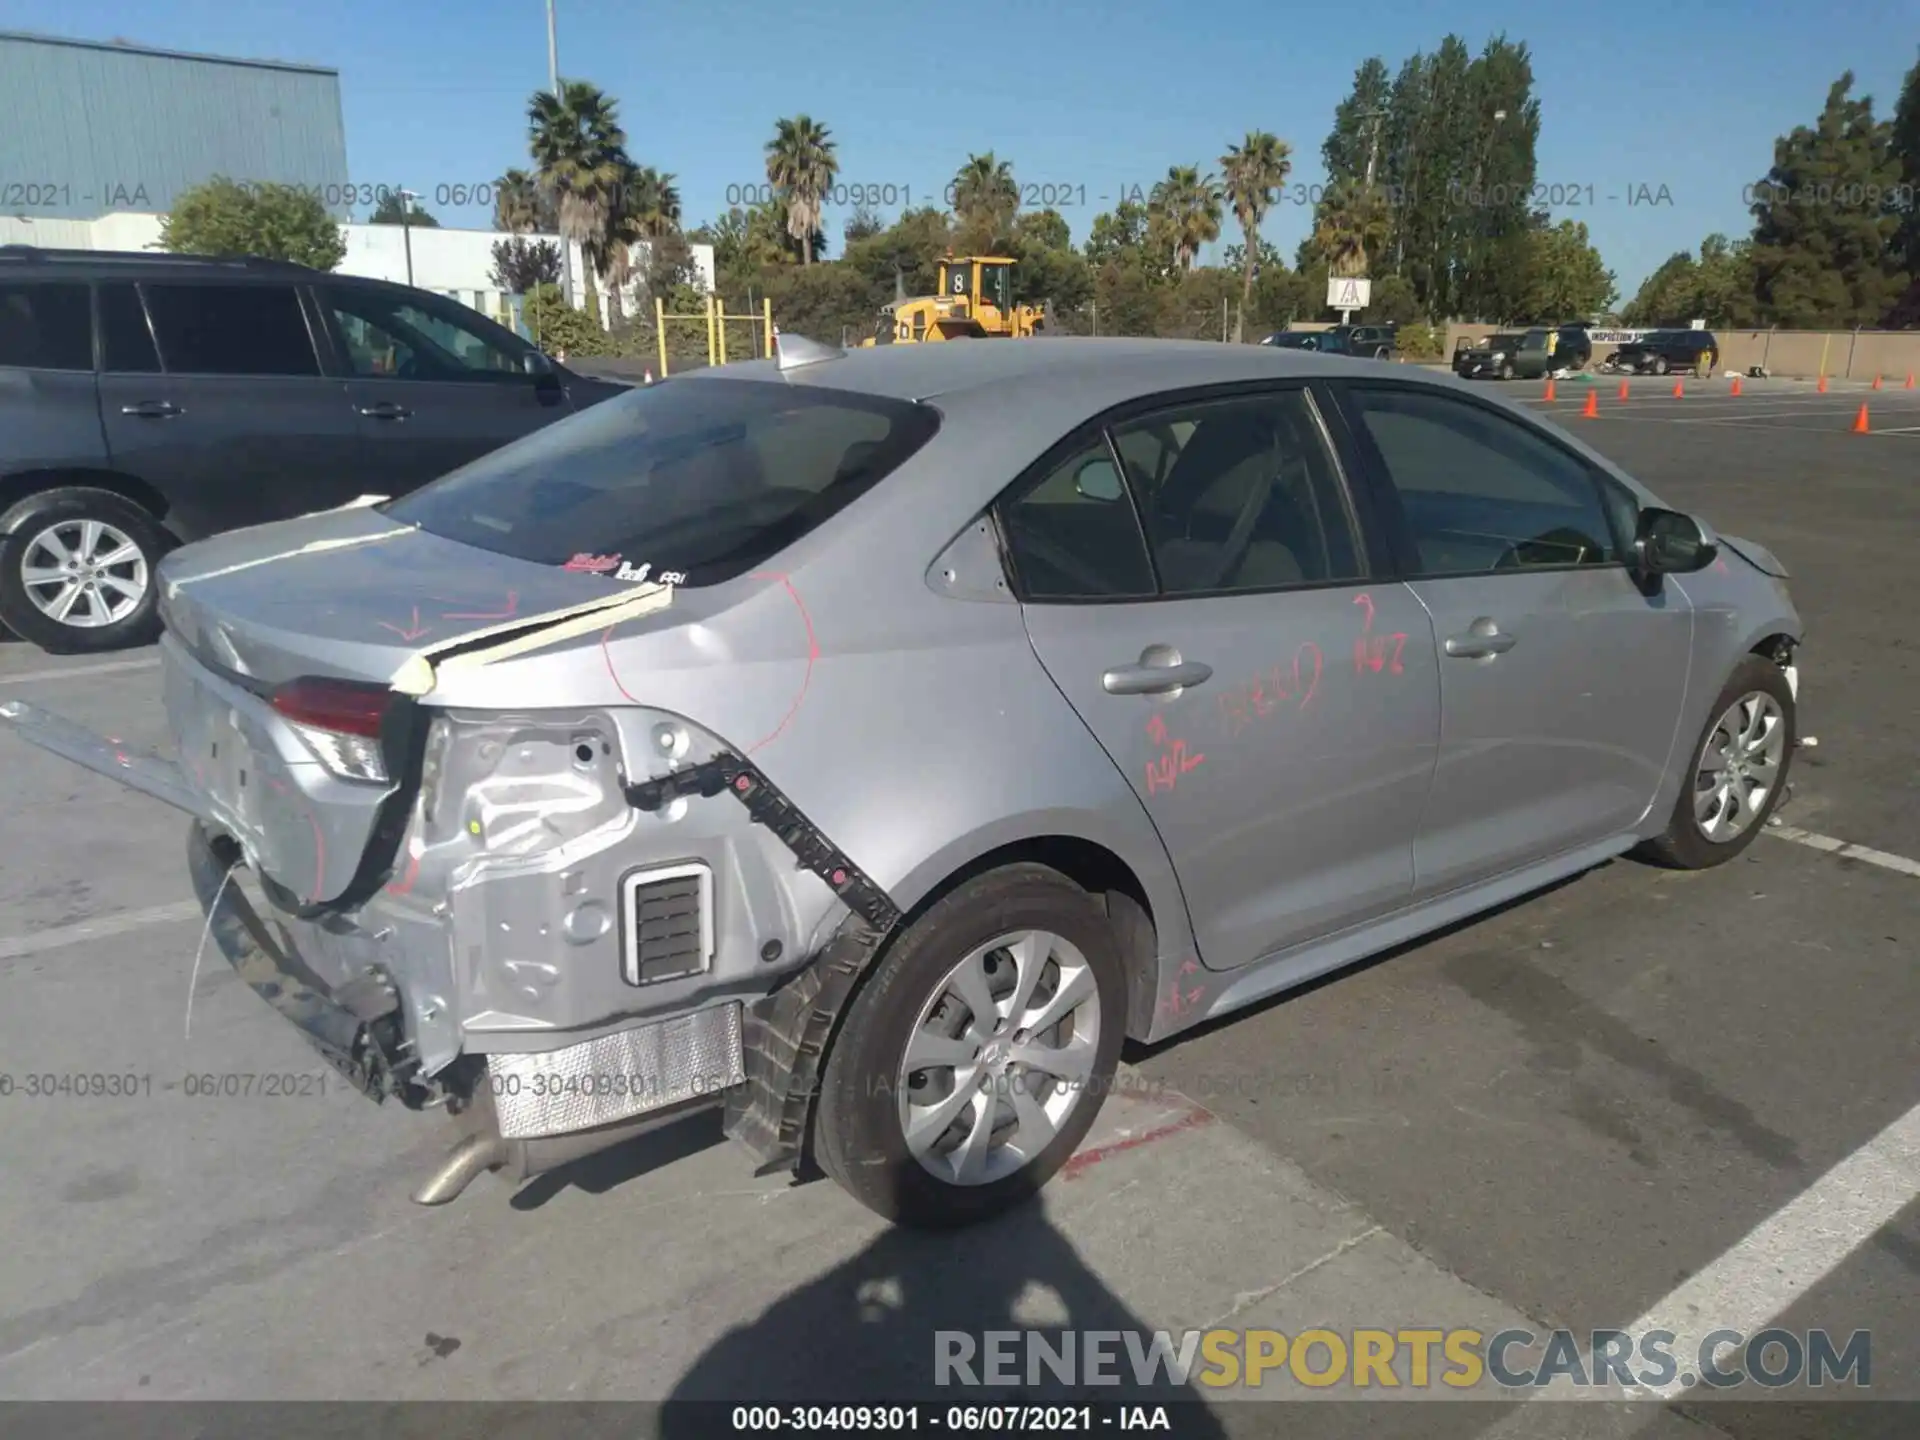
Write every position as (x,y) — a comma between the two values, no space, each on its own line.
(868,1330)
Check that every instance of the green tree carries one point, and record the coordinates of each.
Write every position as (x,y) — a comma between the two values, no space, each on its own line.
(1566,279)
(1047,269)
(1253,171)
(1186,206)
(1824,249)
(801,166)
(1119,236)
(275,222)
(863,224)
(985,199)
(1718,287)
(1352,229)
(522,206)
(390,212)
(520,266)
(1906,146)
(580,154)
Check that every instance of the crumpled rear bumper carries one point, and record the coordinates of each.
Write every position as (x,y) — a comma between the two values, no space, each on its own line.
(357,1031)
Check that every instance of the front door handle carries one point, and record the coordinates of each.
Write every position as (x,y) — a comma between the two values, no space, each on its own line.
(152,409)
(1147,678)
(385,410)
(1482,641)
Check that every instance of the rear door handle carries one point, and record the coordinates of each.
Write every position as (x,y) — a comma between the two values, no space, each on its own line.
(1482,641)
(152,409)
(1149,679)
(385,410)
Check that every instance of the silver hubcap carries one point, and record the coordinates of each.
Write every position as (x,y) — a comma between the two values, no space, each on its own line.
(84,573)
(1739,766)
(1001,1054)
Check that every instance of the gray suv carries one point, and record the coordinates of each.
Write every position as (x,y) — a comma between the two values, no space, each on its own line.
(147,400)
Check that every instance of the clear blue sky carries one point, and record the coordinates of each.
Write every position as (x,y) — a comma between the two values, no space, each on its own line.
(1089,97)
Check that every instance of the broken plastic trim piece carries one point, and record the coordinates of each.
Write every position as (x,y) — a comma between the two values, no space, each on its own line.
(768,807)
(420,672)
(312,547)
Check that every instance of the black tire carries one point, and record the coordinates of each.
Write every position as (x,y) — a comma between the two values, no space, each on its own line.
(858,1138)
(1684,845)
(1506,369)
(31,518)
(1659,364)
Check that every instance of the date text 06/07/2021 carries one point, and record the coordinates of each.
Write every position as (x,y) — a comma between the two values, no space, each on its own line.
(909,1418)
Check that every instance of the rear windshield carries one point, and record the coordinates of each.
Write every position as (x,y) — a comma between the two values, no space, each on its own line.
(699,480)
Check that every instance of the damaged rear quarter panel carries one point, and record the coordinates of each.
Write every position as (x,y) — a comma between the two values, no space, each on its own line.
(915,730)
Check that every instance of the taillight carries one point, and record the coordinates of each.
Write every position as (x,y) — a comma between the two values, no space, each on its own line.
(341,722)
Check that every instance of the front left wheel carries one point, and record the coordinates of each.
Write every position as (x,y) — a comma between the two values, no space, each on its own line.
(973,1061)
(1739,770)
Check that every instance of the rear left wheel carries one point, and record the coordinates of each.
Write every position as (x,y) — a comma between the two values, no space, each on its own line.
(77,571)
(974,1060)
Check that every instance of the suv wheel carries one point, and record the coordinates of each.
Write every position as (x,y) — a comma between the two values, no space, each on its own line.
(1659,364)
(973,1061)
(77,571)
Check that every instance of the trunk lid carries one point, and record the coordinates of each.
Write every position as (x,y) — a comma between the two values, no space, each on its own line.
(347,596)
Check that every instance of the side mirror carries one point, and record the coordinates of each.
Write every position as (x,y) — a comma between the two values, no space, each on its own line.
(1669,543)
(536,364)
(1098,480)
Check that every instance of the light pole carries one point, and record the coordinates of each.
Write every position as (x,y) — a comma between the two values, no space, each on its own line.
(553,86)
(407,197)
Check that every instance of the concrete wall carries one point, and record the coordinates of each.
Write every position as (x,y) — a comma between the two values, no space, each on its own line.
(1843,354)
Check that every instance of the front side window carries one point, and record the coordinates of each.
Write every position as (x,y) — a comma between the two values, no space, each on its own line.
(214,329)
(46,326)
(705,479)
(1238,495)
(1482,492)
(389,338)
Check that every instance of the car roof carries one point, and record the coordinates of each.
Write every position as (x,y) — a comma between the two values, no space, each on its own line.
(1121,369)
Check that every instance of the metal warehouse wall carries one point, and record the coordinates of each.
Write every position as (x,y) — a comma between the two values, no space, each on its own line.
(87,128)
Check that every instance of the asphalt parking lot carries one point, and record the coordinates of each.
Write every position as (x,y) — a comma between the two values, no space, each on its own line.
(1640,1099)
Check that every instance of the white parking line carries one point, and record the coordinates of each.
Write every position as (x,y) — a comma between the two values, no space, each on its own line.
(71,672)
(1796,1247)
(1846,850)
(12,947)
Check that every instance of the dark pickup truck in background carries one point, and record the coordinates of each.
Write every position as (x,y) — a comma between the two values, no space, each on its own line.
(147,400)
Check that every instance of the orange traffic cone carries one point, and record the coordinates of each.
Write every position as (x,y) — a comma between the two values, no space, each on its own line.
(1909,379)
(1860,422)
(649,377)
(1678,389)
(1876,383)
(1822,386)
(1592,410)
(1549,394)
(1736,386)
(1623,389)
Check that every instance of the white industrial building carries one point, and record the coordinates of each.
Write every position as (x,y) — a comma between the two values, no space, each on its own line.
(455,263)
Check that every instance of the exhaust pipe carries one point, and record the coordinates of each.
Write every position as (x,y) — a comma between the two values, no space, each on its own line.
(482,1148)
(464,1163)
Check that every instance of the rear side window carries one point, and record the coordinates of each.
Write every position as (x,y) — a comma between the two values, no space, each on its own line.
(126,341)
(231,330)
(46,326)
(703,479)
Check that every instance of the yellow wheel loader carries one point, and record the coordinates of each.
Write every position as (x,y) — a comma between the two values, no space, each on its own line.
(975,301)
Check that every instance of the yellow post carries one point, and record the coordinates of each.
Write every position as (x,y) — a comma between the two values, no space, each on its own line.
(660,330)
(709,303)
(1823,354)
(720,311)
(766,314)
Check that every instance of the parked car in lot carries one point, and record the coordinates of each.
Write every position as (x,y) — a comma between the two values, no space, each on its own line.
(1368,342)
(1000,702)
(1551,350)
(1666,351)
(147,400)
(1496,356)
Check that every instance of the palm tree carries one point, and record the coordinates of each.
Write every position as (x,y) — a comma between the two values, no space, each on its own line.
(1353,228)
(801,167)
(1189,206)
(520,206)
(653,200)
(1254,170)
(579,151)
(646,207)
(985,197)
